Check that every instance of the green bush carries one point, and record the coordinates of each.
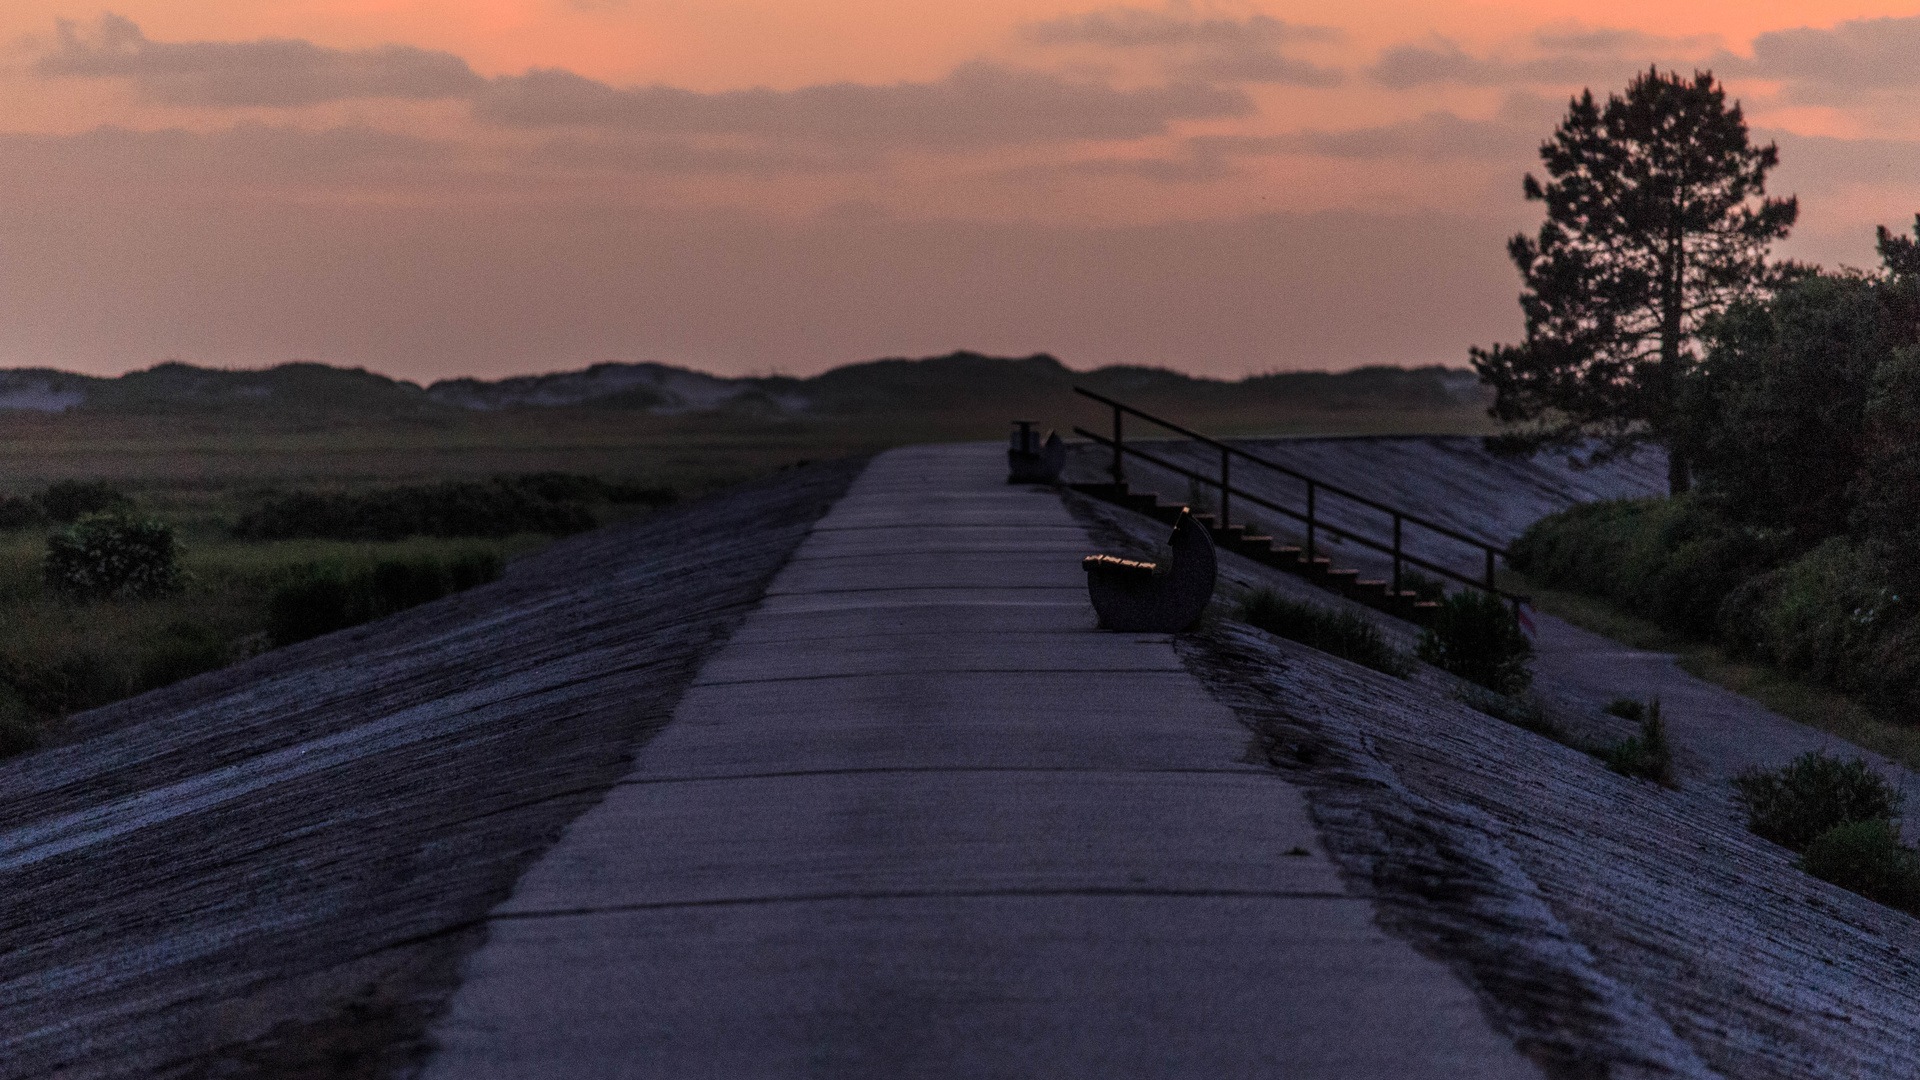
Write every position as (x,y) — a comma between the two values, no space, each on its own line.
(1774,416)
(1866,857)
(1794,804)
(1834,616)
(67,501)
(1672,560)
(1646,756)
(322,599)
(110,557)
(1343,633)
(1474,636)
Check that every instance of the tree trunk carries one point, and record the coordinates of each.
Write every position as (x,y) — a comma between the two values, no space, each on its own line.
(1672,301)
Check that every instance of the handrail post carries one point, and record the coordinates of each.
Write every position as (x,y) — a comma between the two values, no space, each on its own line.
(1225,491)
(1490,587)
(1119,477)
(1396,557)
(1310,487)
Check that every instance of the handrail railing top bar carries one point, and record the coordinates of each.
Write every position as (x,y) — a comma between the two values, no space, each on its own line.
(1295,473)
(1336,530)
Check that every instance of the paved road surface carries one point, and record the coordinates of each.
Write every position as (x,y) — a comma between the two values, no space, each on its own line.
(919,819)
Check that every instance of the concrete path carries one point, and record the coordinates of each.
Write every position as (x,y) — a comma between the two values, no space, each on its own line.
(918,819)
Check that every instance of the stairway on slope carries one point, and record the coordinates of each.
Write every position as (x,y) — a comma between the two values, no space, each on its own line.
(1319,569)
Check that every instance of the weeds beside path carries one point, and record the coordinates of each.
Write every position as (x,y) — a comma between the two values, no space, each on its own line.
(1819,708)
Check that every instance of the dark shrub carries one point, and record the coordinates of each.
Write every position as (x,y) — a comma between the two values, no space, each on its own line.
(1671,560)
(1423,586)
(67,501)
(17,513)
(395,586)
(1646,756)
(1520,710)
(473,568)
(320,599)
(77,681)
(182,651)
(1626,709)
(105,557)
(317,603)
(1795,803)
(17,735)
(559,487)
(18,731)
(1866,857)
(1474,636)
(1774,414)
(1342,633)
(456,508)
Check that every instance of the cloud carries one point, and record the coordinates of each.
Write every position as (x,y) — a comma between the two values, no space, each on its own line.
(1404,67)
(1435,136)
(685,157)
(1139,28)
(1839,65)
(1617,41)
(978,104)
(1211,49)
(1566,52)
(110,164)
(277,73)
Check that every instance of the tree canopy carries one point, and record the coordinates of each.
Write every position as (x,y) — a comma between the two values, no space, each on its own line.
(1657,221)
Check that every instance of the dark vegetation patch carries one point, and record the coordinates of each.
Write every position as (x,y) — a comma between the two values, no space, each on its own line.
(1474,636)
(1840,816)
(1866,857)
(1794,550)
(114,604)
(1817,792)
(1342,633)
(62,502)
(1646,756)
(320,599)
(1523,711)
(557,504)
(106,557)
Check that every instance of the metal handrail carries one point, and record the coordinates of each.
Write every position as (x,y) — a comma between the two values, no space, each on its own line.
(1314,485)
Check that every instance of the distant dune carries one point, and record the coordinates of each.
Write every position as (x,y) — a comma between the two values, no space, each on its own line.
(957,382)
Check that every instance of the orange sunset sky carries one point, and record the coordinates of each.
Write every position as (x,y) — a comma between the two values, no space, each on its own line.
(492,187)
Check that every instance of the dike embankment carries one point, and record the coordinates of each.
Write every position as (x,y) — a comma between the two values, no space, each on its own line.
(276,870)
